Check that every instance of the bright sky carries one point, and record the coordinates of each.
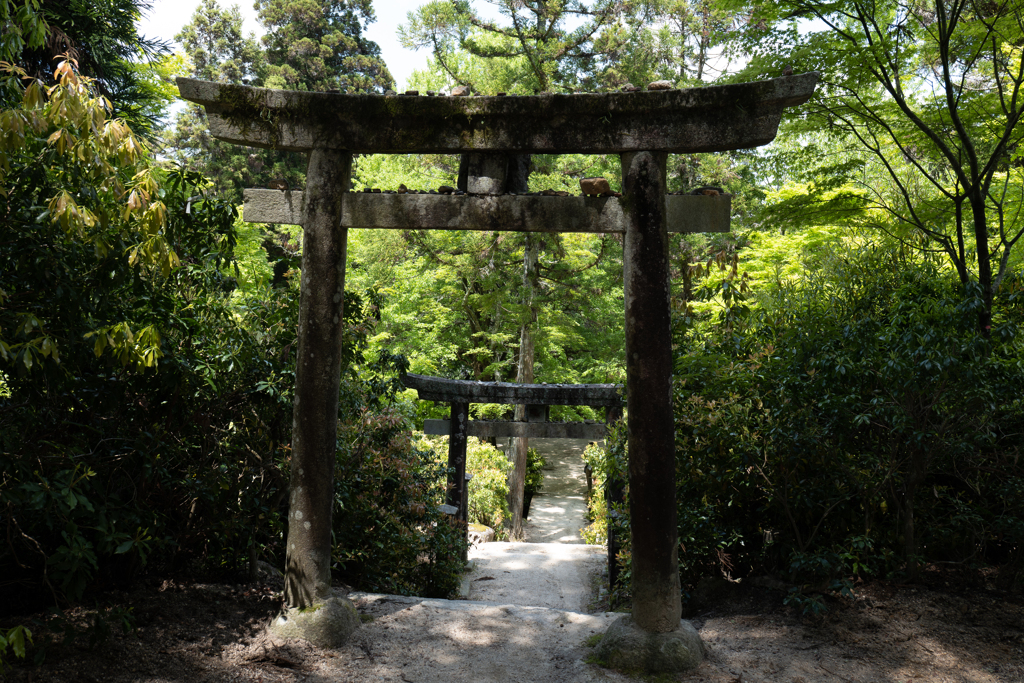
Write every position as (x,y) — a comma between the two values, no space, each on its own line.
(168,17)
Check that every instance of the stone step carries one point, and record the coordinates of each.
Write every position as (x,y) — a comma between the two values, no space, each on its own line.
(549,575)
(463,641)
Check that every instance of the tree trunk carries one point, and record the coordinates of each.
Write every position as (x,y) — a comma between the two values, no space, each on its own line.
(984,262)
(520,445)
(317,381)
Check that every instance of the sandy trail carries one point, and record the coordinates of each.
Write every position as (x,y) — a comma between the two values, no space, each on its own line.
(559,510)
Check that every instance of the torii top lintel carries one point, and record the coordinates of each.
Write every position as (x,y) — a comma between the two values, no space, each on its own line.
(711,119)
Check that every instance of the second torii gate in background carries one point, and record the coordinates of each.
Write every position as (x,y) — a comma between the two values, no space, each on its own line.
(493,134)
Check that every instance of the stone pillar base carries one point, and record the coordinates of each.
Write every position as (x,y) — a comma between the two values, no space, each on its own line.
(631,650)
(326,624)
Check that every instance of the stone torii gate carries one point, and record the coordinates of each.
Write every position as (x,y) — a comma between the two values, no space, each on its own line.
(494,134)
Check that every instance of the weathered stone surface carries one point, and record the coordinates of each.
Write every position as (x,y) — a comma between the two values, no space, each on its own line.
(325,624)
(660,85)
(626,647)
(317,379)
(403,211)
(595,186)
(708,119)
(460,91)
(483,174)
(485,429)
(451,390)
(478,533)
(652,465)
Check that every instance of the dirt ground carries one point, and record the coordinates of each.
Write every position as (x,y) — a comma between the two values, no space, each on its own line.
(935,632)
(953,626)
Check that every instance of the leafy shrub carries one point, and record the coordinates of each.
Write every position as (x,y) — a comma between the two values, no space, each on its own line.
(596,532)
(859,427)
(146,415)
(610,466)
(390,535)
(488,489)
(13,638)
(110,272)
(535,463)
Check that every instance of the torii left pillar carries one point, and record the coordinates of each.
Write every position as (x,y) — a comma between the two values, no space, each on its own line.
(315,411)
(653,638)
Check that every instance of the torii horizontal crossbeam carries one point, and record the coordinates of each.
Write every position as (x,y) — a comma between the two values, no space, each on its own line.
(467,391)
(486,429)
(709,119)
(514,213)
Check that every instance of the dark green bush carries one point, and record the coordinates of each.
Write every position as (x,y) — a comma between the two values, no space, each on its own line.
(390,535)
(535,464)
(860,425)
(145,409)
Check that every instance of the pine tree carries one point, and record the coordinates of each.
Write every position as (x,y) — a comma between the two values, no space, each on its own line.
(318,45)
(535,51)
(217,50)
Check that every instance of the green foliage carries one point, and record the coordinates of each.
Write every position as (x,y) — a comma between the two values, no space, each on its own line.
(146,412)
(854,422)
(102,39)
(862,422)
(610,468)
(453,301)
(596,532)
(13,638)
(72,177)
(390,536)
(308,46)
(161,438)
(21,27)
(218,50)
(548,46)
(915,126)
(215,49)
(488,489)
(683,41)
(535,463)
(320,47)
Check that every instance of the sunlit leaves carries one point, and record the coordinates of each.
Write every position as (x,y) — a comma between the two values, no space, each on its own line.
(103,193)
(140,348)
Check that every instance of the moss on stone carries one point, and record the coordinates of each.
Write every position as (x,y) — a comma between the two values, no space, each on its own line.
(701,119)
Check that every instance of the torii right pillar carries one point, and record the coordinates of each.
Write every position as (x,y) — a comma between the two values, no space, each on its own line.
(653,638)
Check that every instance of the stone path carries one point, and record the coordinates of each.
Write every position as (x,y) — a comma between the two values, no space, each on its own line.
(526,616)
(557,575)
(554,568)
(559,510)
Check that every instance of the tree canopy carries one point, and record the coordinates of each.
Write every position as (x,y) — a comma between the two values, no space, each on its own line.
(928,99)
(319,46)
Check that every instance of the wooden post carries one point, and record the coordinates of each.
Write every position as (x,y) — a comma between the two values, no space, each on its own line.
(317,380)
(457,456)
(656,599)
